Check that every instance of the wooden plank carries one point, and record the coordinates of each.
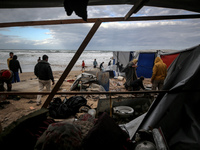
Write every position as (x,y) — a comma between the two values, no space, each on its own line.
(73,61)
(137,6)
(85,93)
(97,92)
(93,20)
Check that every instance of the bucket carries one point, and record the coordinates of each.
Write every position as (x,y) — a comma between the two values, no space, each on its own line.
(123,111)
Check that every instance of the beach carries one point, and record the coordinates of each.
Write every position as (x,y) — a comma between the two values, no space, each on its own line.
(27,103)
(18,108)
(58,59)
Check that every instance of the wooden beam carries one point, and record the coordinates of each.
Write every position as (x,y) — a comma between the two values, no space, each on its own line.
(93,20)
(83,93)
(96,92)
(137,6)
(73,61)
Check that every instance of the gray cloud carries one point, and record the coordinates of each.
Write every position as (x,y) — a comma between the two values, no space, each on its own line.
(172,34)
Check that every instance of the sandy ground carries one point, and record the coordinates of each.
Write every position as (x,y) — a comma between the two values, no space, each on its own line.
(18,108)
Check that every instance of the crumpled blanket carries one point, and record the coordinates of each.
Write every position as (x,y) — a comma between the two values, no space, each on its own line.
(65,135)
(60,136)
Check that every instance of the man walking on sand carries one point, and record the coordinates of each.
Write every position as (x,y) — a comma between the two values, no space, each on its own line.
(44,73)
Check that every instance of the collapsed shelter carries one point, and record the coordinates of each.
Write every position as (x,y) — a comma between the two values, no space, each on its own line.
(182,79)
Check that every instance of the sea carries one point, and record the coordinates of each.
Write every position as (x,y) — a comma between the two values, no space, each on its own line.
(58,59)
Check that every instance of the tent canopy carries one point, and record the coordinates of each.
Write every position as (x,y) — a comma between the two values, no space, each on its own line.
(190,5)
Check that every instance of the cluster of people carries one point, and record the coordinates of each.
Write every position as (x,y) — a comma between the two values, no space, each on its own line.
(42,70)
(158,76)
(44,74)
(95,64)
(132,81)
(10,75)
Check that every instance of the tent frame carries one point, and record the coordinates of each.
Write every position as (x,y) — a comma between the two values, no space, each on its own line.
(97,22)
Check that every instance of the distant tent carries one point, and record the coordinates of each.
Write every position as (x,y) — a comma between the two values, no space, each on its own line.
(145,60)
(145,64)
(168,58)
(122,57)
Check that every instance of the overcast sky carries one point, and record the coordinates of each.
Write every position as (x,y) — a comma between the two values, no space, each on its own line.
(123,36)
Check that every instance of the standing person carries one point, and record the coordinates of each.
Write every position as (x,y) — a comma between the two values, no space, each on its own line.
(6,77)
(44,73)
(109,63)
(39,59)
(101,66)
(10,58)
(14,66)
(159,74)
(130,73)
(95,64)
(83,65)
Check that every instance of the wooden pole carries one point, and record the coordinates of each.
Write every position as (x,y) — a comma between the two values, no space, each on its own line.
(93,20)
(110,105)
(99,93)
(137,6)
(91,92)
(73,61)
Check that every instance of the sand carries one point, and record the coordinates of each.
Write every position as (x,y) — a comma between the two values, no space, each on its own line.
(18,108)
(27,104)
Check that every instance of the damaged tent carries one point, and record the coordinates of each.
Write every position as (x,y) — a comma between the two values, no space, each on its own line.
(176,113)
(145,61)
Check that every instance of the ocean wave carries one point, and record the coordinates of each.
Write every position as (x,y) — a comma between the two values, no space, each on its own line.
(59,59)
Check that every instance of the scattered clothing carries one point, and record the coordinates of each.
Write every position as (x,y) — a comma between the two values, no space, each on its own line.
(69,107)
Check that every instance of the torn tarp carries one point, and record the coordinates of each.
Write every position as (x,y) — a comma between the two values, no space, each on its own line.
(177,112)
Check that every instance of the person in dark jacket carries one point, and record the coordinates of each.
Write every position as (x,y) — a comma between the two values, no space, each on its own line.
(14,66)
(101,67)
(44,73)
(130,73)
(137,84)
